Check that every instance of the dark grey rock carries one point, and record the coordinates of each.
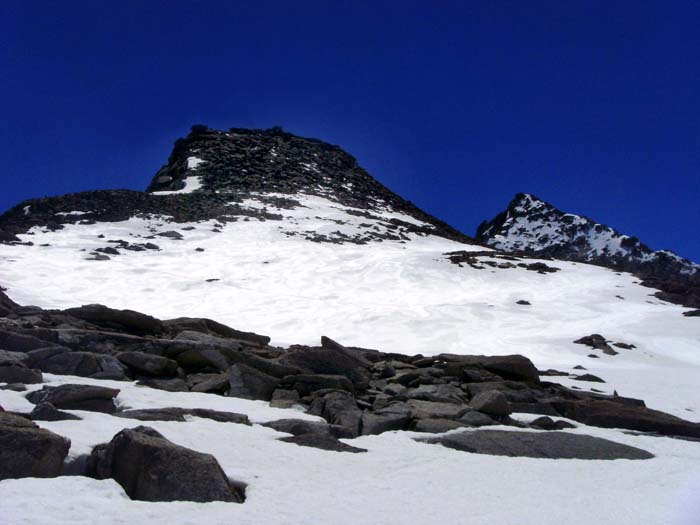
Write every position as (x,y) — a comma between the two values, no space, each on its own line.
(151,468)
(436,426)
(179,414)
(208,326)
(339,408)
(77,397)
(305,384)
(48,412)
(215,383)
(492,402)
(384,421)
(171,234)
(330,360)
(474,418)
(588,377)
(598,342)
(297,427)
(282,398)
(128,321)
(440,393)
(15,342)
(615,414)
(547,423)
(13,358)
(249,383)
(513,367)
(169,385)
(433,410)
(15,387)
(323,442)
(82,364)
(20,374)
(9,419)
(557,445)
(149,364)
(27,451)
(110,368)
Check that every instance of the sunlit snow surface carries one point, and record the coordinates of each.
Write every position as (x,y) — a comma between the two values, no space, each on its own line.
(393,296)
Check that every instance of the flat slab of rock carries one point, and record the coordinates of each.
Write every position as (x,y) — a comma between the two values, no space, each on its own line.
(210,327)
(123,320)
(323,442)
(515,367)
(77,397)
(151,468)
(169,385)
(179,414)
(611,414)
(550,445)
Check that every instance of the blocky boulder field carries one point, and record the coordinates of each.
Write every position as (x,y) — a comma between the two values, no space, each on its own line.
(334,400)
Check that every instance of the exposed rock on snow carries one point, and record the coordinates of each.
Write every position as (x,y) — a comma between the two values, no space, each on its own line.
(558,445)
(77,397)
(29,451)
(181,414)
(323,442)
(151,468)
(629,415)
(491,402)
(47,412)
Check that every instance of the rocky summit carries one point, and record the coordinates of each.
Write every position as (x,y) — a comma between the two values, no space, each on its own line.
(268,334)
(210,175)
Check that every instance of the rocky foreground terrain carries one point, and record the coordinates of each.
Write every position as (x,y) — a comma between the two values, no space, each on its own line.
(470,381)
(355,391)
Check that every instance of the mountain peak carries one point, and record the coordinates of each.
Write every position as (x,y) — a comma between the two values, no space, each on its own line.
(268,161)
(532,225)
(240,173)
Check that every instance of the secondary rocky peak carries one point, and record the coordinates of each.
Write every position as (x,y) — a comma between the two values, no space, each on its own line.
(534,226)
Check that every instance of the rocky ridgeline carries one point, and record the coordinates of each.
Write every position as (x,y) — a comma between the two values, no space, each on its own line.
(235,165)
(530,226)
(356,391)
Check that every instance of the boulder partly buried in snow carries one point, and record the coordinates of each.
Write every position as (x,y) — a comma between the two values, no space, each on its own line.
(151,468)
(550,445)
(181,414)
(77,397)
(27,451)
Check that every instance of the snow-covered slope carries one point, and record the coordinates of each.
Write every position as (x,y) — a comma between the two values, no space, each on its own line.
(534,226)
(314,246)
(400,295)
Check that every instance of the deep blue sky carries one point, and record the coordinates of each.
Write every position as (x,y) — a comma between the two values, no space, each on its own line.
(593,106)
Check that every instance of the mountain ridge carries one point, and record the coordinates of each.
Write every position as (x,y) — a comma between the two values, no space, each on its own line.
(534,226)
